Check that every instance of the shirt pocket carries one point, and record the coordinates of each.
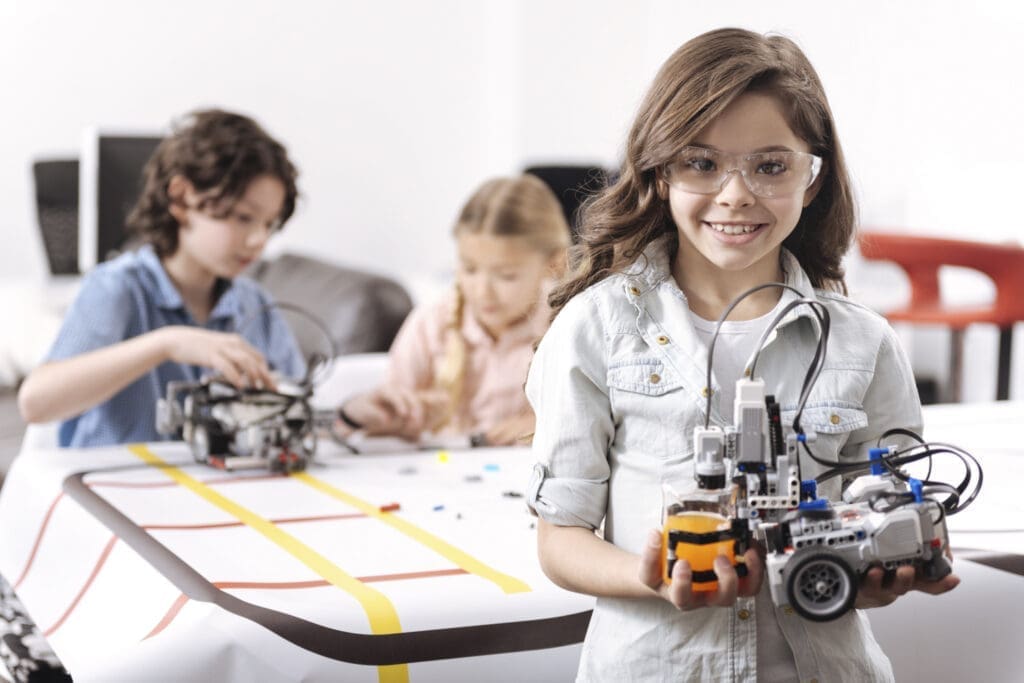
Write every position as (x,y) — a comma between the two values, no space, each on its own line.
(648,408)
(831,424)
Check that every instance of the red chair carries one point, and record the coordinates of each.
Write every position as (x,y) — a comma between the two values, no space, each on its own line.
(920,257)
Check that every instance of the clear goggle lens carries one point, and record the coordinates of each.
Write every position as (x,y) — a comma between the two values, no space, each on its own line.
(766,174)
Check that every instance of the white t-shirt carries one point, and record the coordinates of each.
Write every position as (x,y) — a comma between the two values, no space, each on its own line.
(734,349)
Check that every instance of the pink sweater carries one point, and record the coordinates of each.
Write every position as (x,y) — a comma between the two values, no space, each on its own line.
(495,371)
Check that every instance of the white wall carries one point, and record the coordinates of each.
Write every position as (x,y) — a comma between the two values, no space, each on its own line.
(396,109)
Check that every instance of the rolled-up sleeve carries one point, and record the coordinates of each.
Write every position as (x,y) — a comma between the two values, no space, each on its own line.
(567,387)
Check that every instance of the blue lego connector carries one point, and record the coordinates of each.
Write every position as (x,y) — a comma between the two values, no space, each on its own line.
(917,489)
(819,504)
(808,489)
(876,455)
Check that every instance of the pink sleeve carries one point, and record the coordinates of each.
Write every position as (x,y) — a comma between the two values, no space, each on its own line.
(418,343)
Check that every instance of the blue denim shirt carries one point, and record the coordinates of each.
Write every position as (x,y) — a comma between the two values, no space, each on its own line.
(617,386)
(132,295)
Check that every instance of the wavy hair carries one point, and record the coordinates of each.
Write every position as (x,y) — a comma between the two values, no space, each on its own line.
(219,153)
(694,86)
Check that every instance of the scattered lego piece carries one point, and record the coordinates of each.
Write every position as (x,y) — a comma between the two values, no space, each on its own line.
(474,478)
(438,508)
(442,456)
(491,467)
(512,494)
(408,470)
(458,515)
(390,507)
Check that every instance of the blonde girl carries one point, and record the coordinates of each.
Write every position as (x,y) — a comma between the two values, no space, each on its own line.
(458,366)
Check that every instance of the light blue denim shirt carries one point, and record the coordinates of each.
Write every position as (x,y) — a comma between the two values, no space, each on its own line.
(617,385)
(132,295)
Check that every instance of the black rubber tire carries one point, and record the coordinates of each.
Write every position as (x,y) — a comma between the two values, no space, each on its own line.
(820,585)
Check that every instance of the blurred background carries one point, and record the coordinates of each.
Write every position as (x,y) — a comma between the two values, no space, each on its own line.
(396,109)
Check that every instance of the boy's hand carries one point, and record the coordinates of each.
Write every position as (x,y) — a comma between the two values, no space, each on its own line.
(877,590)
(680,592)
(229,354)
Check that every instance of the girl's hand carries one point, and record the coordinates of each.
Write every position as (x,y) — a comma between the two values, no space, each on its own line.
(395,411)
(229,354)
(680,592)
(877,590)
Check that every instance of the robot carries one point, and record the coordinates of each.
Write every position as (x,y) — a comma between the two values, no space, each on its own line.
(231,428)
(749,488)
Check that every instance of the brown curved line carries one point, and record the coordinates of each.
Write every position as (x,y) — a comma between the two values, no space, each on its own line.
(39,539)
(343,646)
(282,585)
(166,484)
(223,525)
(88,582)
(169,617)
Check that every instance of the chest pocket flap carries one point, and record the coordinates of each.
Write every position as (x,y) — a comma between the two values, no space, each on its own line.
(829,419)
(648,377)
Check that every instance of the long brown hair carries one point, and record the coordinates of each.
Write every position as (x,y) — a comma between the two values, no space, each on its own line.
(219,153)
(693,87)
(523,207)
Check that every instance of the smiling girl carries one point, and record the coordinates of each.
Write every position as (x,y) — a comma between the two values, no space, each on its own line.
(733,177)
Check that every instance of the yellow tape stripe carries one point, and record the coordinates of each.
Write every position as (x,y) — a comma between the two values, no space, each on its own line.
(379,610)
(461,559)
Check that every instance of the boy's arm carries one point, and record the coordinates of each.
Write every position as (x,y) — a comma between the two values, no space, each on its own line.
(61,389)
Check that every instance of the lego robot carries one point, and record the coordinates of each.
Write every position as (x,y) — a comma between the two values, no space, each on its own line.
(231,428)
(749,488)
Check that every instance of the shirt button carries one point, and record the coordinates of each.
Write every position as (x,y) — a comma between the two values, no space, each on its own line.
(743,614)
(662,339)
(635,291)
(655,378)
(705,392)
(834,419)
(746,373)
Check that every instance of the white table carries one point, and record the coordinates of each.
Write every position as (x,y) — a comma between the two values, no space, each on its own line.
(975,632)
(141,571)
(138,564)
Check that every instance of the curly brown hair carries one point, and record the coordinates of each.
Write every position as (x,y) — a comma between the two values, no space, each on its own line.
(694,86)
(219,153)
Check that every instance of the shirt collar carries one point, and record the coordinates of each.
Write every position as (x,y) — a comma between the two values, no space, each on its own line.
(167,295)
(654,267)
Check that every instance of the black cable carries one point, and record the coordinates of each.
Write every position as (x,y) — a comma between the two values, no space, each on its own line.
(718,326)
(314,359)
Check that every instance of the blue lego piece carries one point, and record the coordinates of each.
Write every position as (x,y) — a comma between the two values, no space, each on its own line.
(917,489)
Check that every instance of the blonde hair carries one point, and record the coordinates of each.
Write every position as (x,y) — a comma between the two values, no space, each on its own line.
(522,207)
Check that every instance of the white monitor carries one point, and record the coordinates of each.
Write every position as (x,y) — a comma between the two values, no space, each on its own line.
(109,183)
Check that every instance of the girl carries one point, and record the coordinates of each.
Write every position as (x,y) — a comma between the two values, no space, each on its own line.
(215,190)
(733,177)
(459,366)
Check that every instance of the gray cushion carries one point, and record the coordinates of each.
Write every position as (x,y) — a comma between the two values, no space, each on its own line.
(362,310)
